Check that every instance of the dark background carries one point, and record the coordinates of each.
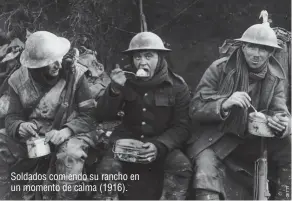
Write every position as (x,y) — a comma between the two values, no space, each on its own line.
(194,29)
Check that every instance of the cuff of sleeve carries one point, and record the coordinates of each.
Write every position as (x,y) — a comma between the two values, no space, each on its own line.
(162,150)
(87,104)
(15,133)
(223,114)
(69,130)
(72,128)
(78,127)
(286,132)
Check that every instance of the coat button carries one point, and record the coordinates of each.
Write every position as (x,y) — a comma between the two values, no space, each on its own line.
(144,109)
(142,136)
(143,123)
(210,139)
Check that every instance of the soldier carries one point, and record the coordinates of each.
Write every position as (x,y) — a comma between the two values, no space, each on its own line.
(155,102)
(51,99)
(221,105)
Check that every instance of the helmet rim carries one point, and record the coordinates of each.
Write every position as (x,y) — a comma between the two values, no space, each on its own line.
(43,48)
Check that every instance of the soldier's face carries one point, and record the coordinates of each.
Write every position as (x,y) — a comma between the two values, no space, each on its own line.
(146,60)
(256,55)
(54,68)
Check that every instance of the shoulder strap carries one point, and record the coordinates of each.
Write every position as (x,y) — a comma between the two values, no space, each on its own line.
(65,103)
(66,95)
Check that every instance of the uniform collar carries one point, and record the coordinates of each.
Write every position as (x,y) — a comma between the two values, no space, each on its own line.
(168,78)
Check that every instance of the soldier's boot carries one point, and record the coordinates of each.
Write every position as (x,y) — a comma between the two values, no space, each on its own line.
(174,187)
(177,175)
(202,194)
(283,188)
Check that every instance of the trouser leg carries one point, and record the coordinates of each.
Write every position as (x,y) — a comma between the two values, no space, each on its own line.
(177,176)
(280,153)
(208,177)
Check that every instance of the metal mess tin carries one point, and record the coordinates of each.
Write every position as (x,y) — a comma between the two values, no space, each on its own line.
(258,125)
(36,147)
(127,150)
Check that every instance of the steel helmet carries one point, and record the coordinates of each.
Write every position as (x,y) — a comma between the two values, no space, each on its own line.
(43,48)
(146,41)
(261,34)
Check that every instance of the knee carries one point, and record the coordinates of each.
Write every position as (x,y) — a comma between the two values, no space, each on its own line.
(206,158)
(71,156)
(178,163)
(207,163)
(73,148)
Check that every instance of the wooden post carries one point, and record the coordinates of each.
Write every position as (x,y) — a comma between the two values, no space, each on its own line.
(142,17)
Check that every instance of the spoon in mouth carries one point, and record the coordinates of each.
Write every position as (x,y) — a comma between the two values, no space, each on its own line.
(129,72)
(142,73)
(136,75)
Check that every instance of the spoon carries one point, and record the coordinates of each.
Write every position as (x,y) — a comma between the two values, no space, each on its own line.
(253,108)
(129,72)
(132,73)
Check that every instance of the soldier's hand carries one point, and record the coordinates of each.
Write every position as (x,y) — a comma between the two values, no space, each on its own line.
(238,98)
(27,129)
(148,153)
(279,122)
(58,137)
(71,55)
(118,78)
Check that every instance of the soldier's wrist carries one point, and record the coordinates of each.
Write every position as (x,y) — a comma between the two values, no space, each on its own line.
(162,150)
(224,107)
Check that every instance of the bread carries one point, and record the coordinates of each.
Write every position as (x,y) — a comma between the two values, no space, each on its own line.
(141,73)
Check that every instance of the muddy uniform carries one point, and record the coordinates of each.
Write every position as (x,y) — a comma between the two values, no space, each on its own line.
(35,101)
(212,148)
(156,113)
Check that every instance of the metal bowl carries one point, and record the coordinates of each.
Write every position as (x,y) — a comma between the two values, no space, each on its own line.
(36,147)
(127,150)
(258,125)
